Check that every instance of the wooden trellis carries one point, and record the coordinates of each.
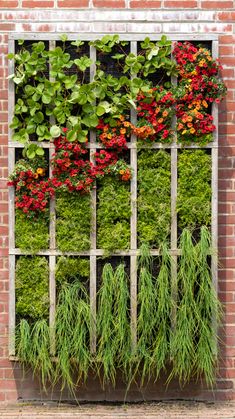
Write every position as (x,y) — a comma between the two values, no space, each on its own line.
(93,145)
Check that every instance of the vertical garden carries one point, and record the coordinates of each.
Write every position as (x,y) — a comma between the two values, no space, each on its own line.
(114,210)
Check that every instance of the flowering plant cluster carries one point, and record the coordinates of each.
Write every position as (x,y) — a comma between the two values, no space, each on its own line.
(72,172)
(33,189)
(199,86)
(155,111)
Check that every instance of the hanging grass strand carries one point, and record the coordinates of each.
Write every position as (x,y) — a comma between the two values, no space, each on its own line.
(161,342)
(146,314)
(209,313)
(40,358)
(72,334)
(113,325)
(183,337)
(23,341)
(122,342)
(105,325)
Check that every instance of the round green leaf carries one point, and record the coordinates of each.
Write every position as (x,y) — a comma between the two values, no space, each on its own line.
(55,131)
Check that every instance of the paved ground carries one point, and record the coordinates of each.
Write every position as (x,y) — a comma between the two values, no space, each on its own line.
(169,410)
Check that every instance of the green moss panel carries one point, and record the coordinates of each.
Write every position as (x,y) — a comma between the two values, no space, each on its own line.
(194,189)
(32,287)
(113,215)
(154,197)
(31,234)
(73,218)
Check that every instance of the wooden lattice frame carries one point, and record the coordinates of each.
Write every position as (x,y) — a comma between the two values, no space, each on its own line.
(93,253)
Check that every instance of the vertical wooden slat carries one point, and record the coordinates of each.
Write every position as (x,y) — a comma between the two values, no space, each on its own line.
(52,259)
(214,197)
(93,226)
(133,225)
(174,158)
(11,203)
(214,184)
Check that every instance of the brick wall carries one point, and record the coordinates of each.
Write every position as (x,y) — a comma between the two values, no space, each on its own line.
(146,16)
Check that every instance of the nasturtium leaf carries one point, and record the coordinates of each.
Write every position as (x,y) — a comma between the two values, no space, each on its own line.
(39,151)
(90,121)
(55,131)
(100,110)
(38,117)
(64,37)
(46,98)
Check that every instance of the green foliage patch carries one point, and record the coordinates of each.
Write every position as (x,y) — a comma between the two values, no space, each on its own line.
(154,197)
(73,215)
(32,287)
(194,189)
(31,234)
(113,215)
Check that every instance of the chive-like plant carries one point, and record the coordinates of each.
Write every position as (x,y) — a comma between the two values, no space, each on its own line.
(164,306)
(183,336)
(209,313)
(113,325)
(72,330)
(146,314)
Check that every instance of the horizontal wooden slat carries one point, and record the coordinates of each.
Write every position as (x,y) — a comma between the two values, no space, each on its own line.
(126,37)
(133,145)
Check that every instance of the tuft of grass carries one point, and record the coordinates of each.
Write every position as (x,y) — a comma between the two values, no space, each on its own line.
(146,314)
(113,324)
(164,305)
(209,313)
(183,336)
(72,331)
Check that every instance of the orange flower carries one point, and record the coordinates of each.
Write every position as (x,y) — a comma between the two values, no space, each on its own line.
(189,118)
(165,113)
(192,130)
(123,131)
(189,125)
(160,120)
(204,102)
(40,171)
(122,172)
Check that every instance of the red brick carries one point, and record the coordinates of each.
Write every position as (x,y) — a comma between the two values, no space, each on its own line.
(226,16)
(180,4)
(227,39)
(6,27)
(8,4)
(115,4)
(73,3)
(217,4)
(145,4)
(30,4)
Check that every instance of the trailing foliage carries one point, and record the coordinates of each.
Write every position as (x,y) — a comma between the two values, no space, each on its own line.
(113,324)
(31,235)
(209,312)
(72,330)
(194,189)
(154,313)
(113,215)
(163,316)
(32,287)
(73,214)
(183,337)
(33,349)
(154,197)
